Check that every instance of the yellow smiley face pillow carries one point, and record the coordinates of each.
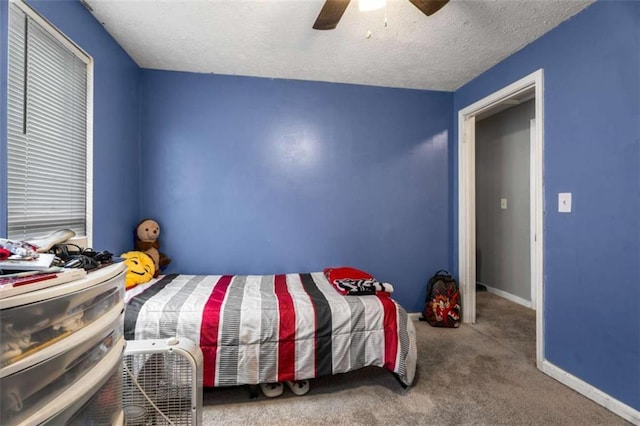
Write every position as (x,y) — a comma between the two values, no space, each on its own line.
(140,268)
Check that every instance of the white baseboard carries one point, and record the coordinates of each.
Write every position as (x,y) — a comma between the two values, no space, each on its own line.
(621,409)
(519,300)
(415,316)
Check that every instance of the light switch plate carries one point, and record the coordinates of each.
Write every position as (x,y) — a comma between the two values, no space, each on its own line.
(503,203)
(564,202)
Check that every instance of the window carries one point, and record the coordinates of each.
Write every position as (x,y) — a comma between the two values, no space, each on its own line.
(49,129)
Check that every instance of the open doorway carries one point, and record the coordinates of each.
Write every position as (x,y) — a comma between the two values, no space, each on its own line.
(521,90)
(503,198)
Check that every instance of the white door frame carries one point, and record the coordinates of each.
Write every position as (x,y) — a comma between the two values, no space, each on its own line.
(467,199)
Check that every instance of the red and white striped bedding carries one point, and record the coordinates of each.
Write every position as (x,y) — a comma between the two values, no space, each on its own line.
(273,328)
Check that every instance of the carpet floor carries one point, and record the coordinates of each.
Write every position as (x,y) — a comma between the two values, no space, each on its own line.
(477,374)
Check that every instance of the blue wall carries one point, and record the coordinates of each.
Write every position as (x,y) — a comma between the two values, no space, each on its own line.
(116,130)
(4,28)
(255,176)
(592,149)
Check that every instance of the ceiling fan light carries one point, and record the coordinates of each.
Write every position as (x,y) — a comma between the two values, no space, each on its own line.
(368,5)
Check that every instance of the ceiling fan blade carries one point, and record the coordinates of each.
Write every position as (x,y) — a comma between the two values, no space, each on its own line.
(330,14)
(429,7)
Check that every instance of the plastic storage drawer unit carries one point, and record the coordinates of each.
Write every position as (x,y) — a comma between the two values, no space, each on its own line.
(99,407)
(31,322)
(27,391)
(61,352)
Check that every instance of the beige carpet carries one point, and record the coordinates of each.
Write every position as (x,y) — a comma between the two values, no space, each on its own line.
(477,374)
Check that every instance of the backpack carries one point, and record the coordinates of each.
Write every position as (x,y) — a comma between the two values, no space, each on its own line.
(441,307)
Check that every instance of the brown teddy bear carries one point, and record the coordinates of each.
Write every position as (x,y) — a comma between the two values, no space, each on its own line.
(147,233)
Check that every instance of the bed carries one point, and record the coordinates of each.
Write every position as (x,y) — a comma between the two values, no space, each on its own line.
(256,329)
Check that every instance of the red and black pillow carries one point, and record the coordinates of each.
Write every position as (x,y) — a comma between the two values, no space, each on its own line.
(353,281)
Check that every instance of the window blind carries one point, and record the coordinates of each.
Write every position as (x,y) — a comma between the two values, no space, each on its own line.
(47,132)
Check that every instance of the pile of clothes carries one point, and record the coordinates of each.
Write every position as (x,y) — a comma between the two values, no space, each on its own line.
(18,250)
(67,255)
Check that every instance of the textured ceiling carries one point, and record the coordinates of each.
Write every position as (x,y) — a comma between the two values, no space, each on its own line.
(274,38)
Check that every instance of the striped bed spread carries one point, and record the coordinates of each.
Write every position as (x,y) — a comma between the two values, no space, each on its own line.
(274,328)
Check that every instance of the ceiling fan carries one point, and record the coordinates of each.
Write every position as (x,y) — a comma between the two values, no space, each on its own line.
(332,11)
